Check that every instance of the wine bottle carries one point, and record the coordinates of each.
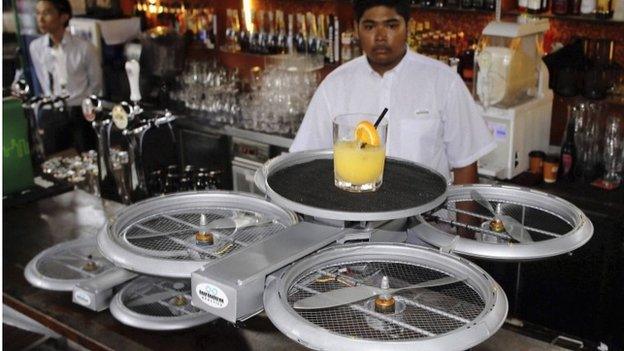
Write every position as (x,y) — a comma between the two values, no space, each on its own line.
(568,153)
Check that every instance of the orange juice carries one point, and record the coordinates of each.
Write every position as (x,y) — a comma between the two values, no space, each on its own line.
(358,165)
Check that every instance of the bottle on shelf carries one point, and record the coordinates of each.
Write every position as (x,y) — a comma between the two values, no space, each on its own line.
(522,6)
(560,7)
(478,4)
(568,153)
(604,9)
(534,6)
(466,4)
(466,61)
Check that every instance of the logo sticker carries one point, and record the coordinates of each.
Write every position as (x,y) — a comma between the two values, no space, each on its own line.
(211,295)
(82,298)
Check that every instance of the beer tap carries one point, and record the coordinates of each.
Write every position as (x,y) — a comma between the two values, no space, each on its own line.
(92,108)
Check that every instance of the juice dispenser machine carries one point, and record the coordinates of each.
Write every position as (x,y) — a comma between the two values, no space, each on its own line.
(512,87)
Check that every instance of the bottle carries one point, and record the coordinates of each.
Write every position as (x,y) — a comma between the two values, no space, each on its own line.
(466,4)
(603,9)
(522,6)
(560,7)
(478,4)
(568,153)
(466,62)
(534,6)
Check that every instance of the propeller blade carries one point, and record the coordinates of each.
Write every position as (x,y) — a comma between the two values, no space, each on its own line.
(337,297)
(431,283)
(357,293)
(149,299)
(221,223)
(515,229)
(482,201)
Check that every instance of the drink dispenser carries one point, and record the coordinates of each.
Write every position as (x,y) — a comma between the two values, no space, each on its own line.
(511,85)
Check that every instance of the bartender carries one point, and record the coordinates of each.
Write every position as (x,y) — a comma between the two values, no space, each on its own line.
(432,117)
(65,65)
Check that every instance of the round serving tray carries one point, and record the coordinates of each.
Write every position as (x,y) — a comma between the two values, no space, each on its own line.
(554,225)
(451,316)
(64,265)
(155,303)
(158,236)
(304,182)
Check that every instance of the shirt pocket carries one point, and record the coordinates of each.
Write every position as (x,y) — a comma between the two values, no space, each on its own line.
(421,135)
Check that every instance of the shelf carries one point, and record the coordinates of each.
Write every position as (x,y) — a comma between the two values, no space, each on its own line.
(452,9)
(583,18)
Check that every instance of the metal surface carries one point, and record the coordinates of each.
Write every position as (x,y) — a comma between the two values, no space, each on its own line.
(158,236)
(232,288)
(288,160)
(158,304)
(96,293)
(449,317)
(555,225)
(64,265)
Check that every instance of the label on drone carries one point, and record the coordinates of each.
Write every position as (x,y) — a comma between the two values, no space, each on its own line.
(211,295)
(82,298)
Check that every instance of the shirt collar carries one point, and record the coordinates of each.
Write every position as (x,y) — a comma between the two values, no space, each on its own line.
(64,41)
(391,72)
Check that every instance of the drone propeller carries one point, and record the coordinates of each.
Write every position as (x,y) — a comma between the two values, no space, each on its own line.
(357,293)
(515,230)
(237,221)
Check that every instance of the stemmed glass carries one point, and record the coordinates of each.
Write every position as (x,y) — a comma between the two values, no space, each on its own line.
(612,153)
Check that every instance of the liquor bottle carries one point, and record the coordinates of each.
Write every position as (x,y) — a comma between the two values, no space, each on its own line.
(522,6)
(568,153)
(466,4)
(466,62)
(560,7)
(452,4)
(603,9)
(282,38)
(300,39)
(534,6)
(329,56)
(336,39)
(478,4)
(545,5)
(290,39)
(490,5)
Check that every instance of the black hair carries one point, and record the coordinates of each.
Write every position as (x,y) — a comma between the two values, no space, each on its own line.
(62,6)
(402,7)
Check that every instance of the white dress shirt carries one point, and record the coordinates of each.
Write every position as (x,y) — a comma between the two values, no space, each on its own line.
(74,66)
(432,118)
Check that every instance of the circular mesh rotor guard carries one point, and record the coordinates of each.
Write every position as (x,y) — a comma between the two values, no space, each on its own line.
(154,303)
(159,236)
(64,265)
(304,182)
(555,225)
(455,316)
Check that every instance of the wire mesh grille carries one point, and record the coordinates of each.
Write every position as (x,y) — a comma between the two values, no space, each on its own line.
(159,297)
(419,313)
(80,262)
(172,235)
(473,220)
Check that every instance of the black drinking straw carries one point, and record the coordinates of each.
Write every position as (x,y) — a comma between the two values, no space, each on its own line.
(381,116)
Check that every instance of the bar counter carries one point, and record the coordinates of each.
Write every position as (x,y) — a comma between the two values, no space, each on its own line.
(31,228)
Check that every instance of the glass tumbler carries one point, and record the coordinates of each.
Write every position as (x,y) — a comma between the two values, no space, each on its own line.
(358,164)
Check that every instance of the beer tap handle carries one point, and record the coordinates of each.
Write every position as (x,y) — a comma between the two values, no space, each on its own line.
(132,70)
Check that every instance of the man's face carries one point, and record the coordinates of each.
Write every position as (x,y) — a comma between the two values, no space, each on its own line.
(49,19)
(383,34)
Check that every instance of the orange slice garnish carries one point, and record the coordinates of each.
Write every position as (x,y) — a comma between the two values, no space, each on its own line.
(366,133)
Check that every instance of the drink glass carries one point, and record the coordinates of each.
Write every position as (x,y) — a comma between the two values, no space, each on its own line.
(358,167)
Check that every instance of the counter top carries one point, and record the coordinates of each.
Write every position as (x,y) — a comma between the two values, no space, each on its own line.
(31,228)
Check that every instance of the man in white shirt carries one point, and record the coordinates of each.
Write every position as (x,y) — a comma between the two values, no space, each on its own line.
(65,65)
(432,118)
